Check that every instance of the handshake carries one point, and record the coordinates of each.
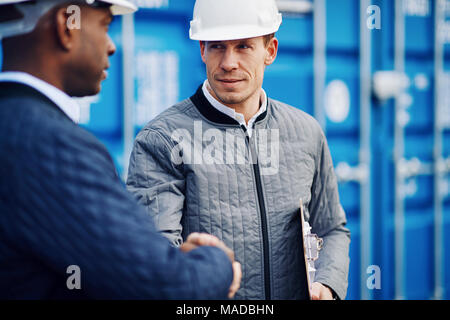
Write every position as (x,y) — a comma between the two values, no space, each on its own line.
(195,240)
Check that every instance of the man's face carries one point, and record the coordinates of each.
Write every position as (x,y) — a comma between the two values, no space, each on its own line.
(92,51)
(235,68)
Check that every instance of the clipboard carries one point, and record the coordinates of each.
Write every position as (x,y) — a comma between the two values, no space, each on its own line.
(312,244)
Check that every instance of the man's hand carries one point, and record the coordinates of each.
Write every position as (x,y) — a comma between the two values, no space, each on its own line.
(320,292)
(195,240)
(236,284)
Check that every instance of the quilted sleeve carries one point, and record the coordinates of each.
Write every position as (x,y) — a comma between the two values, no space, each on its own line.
(328,220)
(71,209)
(157,183)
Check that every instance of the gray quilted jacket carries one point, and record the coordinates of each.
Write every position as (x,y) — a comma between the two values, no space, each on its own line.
(196,170)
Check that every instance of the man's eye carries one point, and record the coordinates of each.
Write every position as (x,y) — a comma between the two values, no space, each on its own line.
(216,46)
(243,46)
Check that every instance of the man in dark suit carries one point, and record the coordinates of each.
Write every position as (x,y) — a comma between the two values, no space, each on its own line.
(63,209)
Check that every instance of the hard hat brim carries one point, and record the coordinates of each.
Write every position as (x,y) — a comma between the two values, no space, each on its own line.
(5,2)
(231,33)
(118,7)
(121,7)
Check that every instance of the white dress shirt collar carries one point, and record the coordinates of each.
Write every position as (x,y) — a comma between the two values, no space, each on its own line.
(239,117)
(61,99)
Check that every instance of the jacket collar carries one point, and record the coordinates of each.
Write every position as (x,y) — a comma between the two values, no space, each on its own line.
(214,115)
(58,97)
(23,91)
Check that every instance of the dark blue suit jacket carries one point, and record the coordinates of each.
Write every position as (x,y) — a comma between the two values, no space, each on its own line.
(62,204)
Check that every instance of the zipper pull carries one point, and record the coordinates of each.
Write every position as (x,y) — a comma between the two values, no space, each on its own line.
(246,133)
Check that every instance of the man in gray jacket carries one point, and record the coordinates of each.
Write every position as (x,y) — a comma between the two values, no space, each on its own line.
(231,162)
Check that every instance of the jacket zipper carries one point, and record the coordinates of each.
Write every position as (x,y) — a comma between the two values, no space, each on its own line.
(263,214)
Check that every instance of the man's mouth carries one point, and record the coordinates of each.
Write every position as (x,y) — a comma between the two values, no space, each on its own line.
(230,83)
(230,80)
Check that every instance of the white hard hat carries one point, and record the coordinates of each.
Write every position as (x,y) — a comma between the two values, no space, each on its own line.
(120,7)
(24,14)
(221,20)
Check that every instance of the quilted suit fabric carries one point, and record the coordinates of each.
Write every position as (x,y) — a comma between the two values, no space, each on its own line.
(62,204)
(253,206)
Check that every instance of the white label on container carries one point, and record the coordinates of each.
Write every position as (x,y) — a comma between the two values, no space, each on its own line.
(444,32)
(418,8)
(85,107)
(157,83)
(337,101)
(445,6)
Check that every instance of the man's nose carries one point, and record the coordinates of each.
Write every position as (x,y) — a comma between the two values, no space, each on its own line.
(229,60)
(111,46)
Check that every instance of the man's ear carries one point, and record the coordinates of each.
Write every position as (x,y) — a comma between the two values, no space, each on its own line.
(66,36)
(272,51)
(202,50)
